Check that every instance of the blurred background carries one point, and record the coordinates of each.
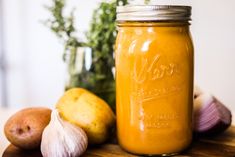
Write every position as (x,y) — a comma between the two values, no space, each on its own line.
(32,72)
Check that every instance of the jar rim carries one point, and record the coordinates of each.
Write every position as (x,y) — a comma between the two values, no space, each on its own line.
(153,13)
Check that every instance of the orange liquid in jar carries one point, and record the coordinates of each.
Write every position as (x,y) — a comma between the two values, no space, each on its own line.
(154,87)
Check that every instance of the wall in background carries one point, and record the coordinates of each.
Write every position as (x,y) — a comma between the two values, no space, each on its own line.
(214,35)
(36,73)
(31,55)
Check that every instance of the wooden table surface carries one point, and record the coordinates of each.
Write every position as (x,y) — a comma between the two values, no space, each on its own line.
(222,145)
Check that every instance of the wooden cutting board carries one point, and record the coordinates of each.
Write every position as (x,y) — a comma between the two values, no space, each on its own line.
(222,145)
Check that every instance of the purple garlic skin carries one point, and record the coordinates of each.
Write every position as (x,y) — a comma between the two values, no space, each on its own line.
(210,115)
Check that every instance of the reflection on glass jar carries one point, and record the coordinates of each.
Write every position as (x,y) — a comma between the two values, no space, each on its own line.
(79,62)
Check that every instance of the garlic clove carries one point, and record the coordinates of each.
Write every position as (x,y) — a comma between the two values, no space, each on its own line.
(62,139)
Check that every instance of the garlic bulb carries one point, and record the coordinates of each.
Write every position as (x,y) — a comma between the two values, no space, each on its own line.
(62,139)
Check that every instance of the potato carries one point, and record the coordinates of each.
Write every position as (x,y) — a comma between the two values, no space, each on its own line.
(88,111)
(24,129)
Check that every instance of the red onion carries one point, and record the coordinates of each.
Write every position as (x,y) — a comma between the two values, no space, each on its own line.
(210,115)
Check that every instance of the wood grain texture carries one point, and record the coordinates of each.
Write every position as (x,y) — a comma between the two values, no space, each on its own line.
(222,145)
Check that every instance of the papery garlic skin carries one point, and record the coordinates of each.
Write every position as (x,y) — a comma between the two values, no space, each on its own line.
(62,139)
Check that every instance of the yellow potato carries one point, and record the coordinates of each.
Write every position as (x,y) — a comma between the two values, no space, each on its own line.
(89,112)
(24,129)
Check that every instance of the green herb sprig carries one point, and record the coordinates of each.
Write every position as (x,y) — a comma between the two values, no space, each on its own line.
(101,38)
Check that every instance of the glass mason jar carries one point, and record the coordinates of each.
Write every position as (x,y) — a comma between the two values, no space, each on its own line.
(86,71)
(154,79)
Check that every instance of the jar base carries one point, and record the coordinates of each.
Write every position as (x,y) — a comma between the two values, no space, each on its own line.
(158,155)
(150,155)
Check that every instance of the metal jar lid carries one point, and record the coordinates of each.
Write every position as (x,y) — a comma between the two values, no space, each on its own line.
(153,13)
